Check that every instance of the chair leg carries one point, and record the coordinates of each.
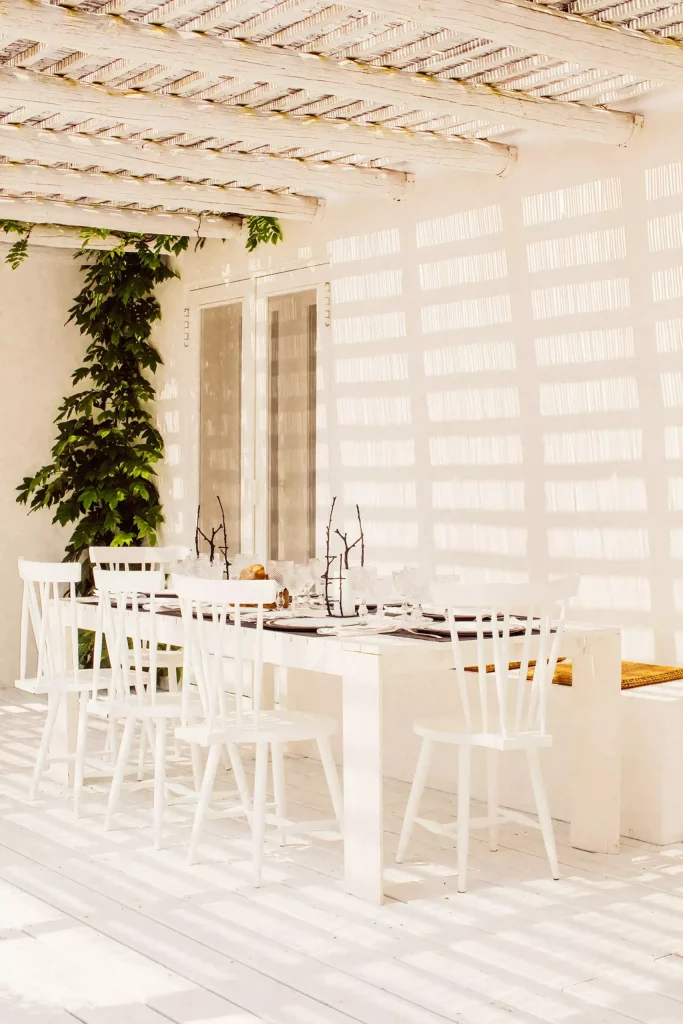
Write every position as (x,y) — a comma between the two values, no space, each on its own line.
(159,780)
(204,800)
(278,762)
(119,771)
(492,761)
(196,756)
(332,779)
(258,827)
(544,819)
(142,752)
(52,709)
(464,765)
(81,738)
(111,746)
(240,778)
(413,805)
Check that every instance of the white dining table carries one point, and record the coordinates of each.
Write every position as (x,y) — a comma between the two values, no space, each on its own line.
(367,666)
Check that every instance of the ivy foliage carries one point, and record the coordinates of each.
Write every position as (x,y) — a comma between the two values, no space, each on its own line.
(18,250)
(102,477)
(262,230)
(101,480)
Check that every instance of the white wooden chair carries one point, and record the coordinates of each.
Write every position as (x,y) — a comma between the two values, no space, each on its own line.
(500,710)
(146,559)
(207,608)
(51,617)
(125,596)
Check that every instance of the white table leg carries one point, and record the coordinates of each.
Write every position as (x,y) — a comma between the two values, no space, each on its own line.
(362,746)
(596,775)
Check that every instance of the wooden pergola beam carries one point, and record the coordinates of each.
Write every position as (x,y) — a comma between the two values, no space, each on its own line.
(19,142)
(188,51)
(175,114)
(55,237)
(540,29)
(43,211)
(165,194)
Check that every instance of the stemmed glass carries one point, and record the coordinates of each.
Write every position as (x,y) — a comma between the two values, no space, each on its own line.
(317,566)
(413,590)
(405,581)
(283,574)
(302,583)
(381,589)
(360,577)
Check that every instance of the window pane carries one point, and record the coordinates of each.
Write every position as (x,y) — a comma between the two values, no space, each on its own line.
(220,419)
(292,328)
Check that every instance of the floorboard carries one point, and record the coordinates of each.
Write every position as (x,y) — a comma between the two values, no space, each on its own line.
(99,928)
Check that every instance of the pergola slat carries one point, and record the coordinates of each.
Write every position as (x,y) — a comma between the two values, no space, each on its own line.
(176,114)
(166,194)
(540,29)
(19,142)
(44,211)
(117,37)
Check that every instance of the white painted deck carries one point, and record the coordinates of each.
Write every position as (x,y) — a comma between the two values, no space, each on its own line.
(98,928)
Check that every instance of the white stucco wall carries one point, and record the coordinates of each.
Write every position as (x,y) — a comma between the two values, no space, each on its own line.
(38,355)
(534,323)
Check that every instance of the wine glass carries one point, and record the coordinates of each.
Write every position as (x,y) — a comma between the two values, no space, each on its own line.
(283,574)
(302,582)
(418,592)
(405,583)
(381,589)
(317,568)
(360,578)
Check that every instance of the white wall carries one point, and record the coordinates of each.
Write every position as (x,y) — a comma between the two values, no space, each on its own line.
(38,355)
(503,394)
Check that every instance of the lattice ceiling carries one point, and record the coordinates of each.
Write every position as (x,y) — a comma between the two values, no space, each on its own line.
(375,36)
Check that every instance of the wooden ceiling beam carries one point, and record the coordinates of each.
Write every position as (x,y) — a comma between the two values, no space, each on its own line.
(540,29)
(189,51)
(44,211)
(177,114)
(55,237)
(19,142)
(165,194)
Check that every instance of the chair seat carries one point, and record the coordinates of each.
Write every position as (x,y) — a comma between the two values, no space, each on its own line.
(166,705)
(65,683)
(453,730)
(273,727)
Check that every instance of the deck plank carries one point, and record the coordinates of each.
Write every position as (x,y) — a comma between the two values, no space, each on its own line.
(99,928)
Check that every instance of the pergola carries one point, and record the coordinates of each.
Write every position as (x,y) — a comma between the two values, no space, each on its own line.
(115,112)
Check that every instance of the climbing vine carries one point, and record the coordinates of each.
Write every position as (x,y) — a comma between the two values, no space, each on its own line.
(101,479)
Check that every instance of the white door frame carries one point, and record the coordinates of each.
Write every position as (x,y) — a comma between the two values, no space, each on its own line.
(283,283)
(205,297)
(254,293)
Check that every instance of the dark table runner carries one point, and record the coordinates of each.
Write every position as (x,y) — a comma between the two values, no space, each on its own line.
(407,634)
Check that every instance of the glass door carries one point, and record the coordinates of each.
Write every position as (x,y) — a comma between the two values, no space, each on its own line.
(220,420)
(292,336)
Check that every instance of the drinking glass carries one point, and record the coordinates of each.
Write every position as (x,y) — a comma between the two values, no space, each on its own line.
(405,582)
(381,589)
(283,574)
(302,582)
(360,577)
(317,568)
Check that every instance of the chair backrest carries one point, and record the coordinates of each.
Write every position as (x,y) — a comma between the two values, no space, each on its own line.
(510,624)
(132,648)
(144,558)
(47,614)
(213,612)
